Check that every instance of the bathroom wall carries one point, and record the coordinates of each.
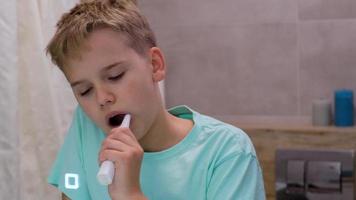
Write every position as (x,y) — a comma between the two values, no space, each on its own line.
(255,57)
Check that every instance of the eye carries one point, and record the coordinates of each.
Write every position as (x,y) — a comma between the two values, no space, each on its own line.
(85,92)
(117,77)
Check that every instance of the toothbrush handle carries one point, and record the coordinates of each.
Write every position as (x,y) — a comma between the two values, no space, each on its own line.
(107,168)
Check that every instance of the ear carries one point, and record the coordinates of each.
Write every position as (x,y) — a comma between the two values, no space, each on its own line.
(158,64)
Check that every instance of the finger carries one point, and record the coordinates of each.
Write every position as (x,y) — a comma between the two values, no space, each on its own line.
(123,130)
(123,137)
(114,145)
(110,154)
(121,156)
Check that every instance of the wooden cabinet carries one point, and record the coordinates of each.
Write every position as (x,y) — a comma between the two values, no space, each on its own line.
(268,138)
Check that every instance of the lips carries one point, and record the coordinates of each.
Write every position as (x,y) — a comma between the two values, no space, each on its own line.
(115,119)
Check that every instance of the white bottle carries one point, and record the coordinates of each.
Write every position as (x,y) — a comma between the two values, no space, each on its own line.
(321,112)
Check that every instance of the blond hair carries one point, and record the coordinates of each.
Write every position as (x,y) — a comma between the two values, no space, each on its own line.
(74,27)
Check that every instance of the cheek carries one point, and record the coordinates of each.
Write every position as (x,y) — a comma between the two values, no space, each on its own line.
(84,104)
(89,110)
(141,89)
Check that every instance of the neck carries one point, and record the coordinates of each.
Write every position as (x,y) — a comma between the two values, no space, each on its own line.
(166,131)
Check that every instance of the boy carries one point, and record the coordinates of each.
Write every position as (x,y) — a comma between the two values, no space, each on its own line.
(109,55)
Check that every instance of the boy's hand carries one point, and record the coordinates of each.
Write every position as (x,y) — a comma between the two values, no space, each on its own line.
(122,147)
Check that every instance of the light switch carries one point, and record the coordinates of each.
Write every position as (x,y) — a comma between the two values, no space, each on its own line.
(323,177)
(295,176)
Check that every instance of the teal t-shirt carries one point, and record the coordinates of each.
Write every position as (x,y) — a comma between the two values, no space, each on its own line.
(214,161)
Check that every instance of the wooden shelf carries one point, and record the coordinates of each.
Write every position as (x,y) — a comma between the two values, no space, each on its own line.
(296,128)
(277,134)
(285,123)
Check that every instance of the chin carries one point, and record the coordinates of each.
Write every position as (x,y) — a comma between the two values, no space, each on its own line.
(106,130)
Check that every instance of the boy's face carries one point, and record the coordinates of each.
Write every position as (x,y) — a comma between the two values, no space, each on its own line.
(111,79)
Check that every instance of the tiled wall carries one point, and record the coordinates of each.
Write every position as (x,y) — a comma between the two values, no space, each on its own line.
(255,57)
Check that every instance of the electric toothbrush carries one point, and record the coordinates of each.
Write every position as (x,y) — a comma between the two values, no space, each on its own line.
(107,168)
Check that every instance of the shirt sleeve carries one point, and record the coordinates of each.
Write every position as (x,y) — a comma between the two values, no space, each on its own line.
(237,177)
(67,173)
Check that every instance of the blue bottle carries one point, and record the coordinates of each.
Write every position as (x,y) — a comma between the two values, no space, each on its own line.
(344,108)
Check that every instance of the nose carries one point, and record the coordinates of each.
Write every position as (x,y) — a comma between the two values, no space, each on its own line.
(104,97)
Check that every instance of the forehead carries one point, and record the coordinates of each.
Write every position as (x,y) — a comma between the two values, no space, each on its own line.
(106,42)
(106,37)
(99,48)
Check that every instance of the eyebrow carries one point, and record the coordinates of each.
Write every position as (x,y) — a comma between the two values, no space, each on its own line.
(106,68)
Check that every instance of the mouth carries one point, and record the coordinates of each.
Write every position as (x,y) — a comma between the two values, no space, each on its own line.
(115,120)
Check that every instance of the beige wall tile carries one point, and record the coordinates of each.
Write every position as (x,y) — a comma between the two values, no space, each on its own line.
(326,9)
(233,70)
(223,12)
(328,59)
(254,57)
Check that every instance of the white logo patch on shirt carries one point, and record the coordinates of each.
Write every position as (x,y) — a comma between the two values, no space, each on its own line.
(71,181)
